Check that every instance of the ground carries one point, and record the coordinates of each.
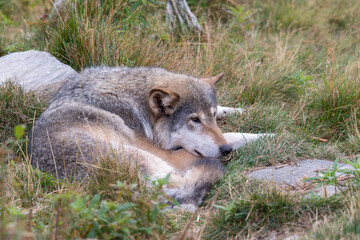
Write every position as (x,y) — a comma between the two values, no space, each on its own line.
(294,66)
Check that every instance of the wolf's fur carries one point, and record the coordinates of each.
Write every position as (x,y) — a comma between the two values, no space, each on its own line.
(165,121)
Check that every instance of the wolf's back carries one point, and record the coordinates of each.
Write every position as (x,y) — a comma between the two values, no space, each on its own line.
(56,146)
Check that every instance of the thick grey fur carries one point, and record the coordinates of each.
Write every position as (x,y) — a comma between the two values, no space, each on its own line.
(111,97)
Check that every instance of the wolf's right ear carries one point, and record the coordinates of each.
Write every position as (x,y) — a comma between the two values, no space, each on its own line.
(213,80)
(163,101)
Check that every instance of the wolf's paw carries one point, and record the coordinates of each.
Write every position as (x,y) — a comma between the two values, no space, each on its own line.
(186,207)
(238,140)
(222,112)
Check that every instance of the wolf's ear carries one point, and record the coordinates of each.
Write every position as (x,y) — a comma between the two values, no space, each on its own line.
(163,101)
(213,80)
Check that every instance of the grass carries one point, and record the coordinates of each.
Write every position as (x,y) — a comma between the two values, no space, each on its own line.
(267,210)
(344,225)
(17,107)
(293,65)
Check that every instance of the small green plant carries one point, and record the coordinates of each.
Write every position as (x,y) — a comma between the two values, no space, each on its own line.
(330,177)
(130,215)
(19,133)
(302,81)
(354,173)
(240,13)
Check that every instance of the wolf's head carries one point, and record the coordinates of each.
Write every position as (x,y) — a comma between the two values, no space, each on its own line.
(184,111)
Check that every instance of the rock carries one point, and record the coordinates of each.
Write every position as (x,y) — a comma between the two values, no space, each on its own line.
(326,190)
(292,175)
(35,71)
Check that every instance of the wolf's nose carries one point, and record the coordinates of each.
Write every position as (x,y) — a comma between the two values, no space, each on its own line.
(226,149)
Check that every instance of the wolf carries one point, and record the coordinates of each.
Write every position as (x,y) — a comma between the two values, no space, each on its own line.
(163,121)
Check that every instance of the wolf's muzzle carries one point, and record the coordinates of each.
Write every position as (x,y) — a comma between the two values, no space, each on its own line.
(226,149)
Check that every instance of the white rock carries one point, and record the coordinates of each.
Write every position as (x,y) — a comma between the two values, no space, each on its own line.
(35,71)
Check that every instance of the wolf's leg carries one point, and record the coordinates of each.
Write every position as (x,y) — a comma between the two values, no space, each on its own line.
(237,140)
(191,188)
(188,187)
(222,112)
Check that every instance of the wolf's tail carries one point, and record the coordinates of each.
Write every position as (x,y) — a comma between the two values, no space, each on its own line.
(192,188)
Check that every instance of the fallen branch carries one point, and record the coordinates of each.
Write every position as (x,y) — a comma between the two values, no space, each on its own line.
(179,11)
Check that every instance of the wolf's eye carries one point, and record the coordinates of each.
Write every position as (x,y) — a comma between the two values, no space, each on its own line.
(195,119)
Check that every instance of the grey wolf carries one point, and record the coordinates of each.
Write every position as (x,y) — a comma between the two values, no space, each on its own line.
(164,121)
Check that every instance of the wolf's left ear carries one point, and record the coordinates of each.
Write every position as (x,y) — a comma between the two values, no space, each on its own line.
(163,101)
(213,80)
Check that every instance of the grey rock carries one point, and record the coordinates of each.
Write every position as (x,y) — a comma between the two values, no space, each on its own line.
(326,190)
(345,166)
(292,175)
(35,71)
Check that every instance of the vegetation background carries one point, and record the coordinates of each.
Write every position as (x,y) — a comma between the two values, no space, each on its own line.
(294,65)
